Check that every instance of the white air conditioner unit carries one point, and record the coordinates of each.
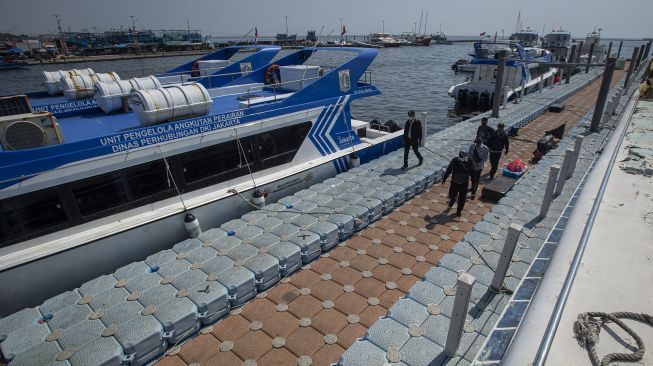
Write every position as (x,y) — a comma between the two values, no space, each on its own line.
(29,130)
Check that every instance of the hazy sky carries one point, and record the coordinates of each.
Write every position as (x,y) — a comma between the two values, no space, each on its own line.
(628,18)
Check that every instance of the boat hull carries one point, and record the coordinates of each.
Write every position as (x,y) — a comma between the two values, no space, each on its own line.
(31,283)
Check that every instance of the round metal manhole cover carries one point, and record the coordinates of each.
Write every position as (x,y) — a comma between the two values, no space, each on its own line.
(415,330)
(433,309)
(449,291)
(278,342)
(226,346)
(24,135)
(206,330)
(393,355)
(373,301)
(469,327)
(304,361)
(304,322)
(353,319)
(255,325)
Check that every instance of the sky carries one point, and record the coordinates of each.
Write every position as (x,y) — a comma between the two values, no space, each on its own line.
(627,18)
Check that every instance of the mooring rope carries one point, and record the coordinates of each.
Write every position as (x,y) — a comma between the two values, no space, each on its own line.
(587,328)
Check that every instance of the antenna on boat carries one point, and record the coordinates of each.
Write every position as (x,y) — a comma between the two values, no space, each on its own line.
(243,37)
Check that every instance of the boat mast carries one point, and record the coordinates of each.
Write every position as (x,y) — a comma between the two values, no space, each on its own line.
(286,24)
(420,22)
(425,21)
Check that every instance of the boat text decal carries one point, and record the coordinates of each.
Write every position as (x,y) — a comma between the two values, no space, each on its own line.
(66,107)
(134,139)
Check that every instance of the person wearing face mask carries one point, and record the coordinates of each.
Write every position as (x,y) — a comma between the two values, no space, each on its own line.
(478,154)
(412,138)
(485,131)
(459,168)
(498,142)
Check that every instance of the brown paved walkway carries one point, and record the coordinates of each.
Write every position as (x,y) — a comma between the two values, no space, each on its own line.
(319,311)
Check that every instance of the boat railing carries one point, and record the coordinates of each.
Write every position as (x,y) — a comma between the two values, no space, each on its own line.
(275,88)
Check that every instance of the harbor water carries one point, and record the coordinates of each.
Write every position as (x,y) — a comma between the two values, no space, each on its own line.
(409,78)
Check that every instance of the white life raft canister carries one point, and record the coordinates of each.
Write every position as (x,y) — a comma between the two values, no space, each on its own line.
(112,95)
(52,79)
(170,103)
(82,86)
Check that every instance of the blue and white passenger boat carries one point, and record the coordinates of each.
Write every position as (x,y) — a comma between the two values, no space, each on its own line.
(523,73)
(85,194)
(70,92)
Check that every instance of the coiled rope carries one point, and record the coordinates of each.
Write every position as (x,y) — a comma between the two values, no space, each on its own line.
(587,328)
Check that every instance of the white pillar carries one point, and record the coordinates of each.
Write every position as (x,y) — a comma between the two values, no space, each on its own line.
(577,146)
(548,192)
(459,313)
(562,177)
(424,128)
(514,231)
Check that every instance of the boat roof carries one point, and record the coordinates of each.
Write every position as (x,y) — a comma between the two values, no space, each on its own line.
(97,134)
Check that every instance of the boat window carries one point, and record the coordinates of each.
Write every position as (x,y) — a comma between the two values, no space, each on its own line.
(148,179)
(224,161)
(99,193)
(280,146)
(33,212)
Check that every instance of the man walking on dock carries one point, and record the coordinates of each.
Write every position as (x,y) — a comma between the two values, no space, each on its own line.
(484,131)
(412,138)
(498,142)
(478,154)
(460,169)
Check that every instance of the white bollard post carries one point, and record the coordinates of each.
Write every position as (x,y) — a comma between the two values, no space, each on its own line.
(424,129)
(459,313)
(562,177)
(505,97)
(548,192)
(577,145)
(540,83)
(522,92)
(509,246)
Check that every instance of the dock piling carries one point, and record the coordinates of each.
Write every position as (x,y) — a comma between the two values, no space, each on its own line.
(589,58)
(631,68)
(507,252)
(647,50)
(619,49)
(609,49)
(580,50)
(548,191)
(570,60)
(460,306)
(638,58)
(578,143)
(498,84)
(603,94)
(424,127)
(562,177)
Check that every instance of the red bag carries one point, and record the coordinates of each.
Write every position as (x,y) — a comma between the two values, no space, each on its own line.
(516,166)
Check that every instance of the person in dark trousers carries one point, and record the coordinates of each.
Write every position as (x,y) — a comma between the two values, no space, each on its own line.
(412,138)
(459,168)
(499,142)
(484,131)
(478,154)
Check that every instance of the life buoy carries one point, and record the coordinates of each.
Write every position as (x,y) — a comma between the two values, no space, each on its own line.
(272,75)
(195,69)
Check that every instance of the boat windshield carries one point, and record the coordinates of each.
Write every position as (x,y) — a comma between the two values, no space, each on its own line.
(491,50)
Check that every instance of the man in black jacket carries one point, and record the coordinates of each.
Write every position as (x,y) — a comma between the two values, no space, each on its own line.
(484,131)
(412,138)
(498,142)
(459,168)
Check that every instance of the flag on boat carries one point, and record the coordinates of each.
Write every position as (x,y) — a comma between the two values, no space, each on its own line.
(342,35)
(482,34)
(255,35)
